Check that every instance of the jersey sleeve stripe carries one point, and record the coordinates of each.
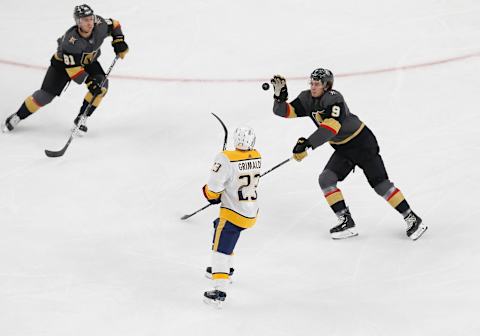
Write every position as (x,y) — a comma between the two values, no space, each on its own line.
(211,195)
(290,111)
(75,72)
(357,132)
(116,24)
(331,124)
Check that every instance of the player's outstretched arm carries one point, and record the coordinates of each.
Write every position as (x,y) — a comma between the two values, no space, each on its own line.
(120,47)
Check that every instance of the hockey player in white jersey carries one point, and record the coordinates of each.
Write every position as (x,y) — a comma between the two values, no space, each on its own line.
(233,184)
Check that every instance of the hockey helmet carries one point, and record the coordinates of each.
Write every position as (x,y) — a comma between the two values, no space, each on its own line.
(324,76)
(244,138)
(82,11)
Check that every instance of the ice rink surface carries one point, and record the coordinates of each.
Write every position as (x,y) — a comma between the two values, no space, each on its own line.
(92,244)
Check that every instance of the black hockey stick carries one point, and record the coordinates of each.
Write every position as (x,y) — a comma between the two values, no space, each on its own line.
(224,147)
(275,167)
(62,151)
(193,213)
(263,174)
(225,129)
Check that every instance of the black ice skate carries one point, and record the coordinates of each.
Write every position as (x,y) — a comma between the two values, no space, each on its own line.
(82,129)
(345,228)
(10,123)
(208,272)
(214,298)
(415,228)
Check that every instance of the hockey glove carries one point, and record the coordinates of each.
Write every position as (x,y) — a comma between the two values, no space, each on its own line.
(280,88)
(211,196)
(300,149)
(94,84)
(119,46)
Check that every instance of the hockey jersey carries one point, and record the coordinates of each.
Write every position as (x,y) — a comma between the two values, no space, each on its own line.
(75,53)
(330,113)
(234,178)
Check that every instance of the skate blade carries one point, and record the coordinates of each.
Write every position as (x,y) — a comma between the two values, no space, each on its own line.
(5,128)
(213,303)
(344,234)
(417,234)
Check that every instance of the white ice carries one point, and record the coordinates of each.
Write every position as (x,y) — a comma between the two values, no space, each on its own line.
(92,243)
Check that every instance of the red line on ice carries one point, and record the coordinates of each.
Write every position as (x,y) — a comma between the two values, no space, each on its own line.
(246,80)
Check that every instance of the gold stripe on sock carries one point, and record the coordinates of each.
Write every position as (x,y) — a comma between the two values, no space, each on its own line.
(396,198)
(31,104)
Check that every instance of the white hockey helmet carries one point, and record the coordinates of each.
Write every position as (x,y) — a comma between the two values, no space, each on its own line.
(244,138)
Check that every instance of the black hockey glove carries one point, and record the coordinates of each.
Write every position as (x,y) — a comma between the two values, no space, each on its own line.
(119,46)
(94,84)
(300,149)
(280,88)
(209,199)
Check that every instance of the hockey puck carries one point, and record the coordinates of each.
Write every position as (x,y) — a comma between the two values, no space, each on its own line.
(265,86)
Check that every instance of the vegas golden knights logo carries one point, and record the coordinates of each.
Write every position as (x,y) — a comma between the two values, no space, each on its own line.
(87,58)
(318,116)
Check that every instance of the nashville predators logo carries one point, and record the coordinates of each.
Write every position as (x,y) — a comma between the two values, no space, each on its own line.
(317,115)
(88,58)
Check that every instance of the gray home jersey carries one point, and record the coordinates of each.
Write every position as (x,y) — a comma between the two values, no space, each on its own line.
(330,114)
(77,52)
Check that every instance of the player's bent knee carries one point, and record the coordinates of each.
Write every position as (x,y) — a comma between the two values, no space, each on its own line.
(42,97)
(383,187)
(327,179)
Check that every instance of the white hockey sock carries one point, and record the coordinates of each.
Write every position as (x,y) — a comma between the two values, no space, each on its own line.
(220,270)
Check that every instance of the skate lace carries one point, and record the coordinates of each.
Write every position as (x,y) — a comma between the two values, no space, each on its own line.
(342,219)
(411,220)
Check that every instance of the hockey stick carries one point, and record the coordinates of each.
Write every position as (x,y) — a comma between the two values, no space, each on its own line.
(225,129)
(263,174)
(193,213)
(224,147)
(275,167)
(62,151)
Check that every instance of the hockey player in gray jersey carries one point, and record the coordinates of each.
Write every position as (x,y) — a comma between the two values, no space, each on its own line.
(354,144)
(76,59)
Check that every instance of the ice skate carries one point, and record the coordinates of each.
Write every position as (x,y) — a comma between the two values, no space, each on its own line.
(215,298)
(10,123)
(208,273)
(415,227)
(81,129)
(345,228)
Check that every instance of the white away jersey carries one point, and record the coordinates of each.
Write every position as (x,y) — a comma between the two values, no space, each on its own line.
(235,175)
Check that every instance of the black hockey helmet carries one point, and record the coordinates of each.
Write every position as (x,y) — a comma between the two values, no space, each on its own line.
(324,76)
(81,11)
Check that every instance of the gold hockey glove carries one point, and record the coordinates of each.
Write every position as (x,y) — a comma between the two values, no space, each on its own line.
(300,149)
